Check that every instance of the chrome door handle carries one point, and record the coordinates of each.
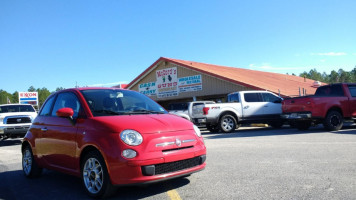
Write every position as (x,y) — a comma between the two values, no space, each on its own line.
(44,129)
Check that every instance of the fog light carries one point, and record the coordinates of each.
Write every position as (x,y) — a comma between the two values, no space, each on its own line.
(129,153)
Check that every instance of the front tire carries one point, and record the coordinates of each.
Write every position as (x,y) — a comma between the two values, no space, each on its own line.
(95,176)
(333,121)
(29,165)
(227,123)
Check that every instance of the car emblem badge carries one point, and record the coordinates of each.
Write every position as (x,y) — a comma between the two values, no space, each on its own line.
(178,142)
(18,120)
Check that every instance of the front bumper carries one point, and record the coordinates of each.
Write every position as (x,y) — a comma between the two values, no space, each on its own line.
(13,130)
(297,116)
(156,170)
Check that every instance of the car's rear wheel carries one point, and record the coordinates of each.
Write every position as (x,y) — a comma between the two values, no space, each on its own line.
(303,125)
(29,165)
(95,176)
(333,121)
(227,123)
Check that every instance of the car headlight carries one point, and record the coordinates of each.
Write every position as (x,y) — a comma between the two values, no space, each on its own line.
(131,137)
(197,131)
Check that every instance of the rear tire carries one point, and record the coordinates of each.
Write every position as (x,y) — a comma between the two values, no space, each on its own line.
(29,165)
(333,121)
(227,123)
(303,125)
(95,176)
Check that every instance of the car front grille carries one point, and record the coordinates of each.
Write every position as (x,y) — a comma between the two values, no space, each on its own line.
(172,166)
(18,120)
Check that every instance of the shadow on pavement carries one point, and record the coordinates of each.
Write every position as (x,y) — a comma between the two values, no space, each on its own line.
(257,132)
(10,142)
(55,185)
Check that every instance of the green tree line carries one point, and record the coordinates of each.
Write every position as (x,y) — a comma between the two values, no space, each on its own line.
(340,76)
(43,93)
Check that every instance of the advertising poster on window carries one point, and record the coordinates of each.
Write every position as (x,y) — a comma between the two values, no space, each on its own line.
(148,89)
(167,82)
(190,83)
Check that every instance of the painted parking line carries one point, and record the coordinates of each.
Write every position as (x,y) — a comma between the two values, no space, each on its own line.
(173,195)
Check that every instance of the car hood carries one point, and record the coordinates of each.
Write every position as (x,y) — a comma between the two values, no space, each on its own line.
(33,114)
(146,124)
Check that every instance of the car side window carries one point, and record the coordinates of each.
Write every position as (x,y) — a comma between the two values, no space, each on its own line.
(252,97)
(46,110)
(66,100)
(267,97)
(233,98)
(352,90)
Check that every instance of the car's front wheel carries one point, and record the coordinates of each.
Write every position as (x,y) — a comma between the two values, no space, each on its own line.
(95,176)
(29,165)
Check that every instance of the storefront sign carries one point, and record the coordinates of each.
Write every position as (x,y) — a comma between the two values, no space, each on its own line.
(167,82)
(190,83)
(148,89)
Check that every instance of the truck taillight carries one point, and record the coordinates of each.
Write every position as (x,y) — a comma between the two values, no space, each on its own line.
(206,110)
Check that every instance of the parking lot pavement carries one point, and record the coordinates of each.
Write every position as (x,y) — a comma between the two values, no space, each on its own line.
(251,163)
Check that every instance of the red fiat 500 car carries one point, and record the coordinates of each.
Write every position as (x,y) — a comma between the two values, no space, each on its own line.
(111,137)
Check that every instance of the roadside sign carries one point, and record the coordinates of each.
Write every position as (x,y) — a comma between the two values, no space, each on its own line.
(28,98)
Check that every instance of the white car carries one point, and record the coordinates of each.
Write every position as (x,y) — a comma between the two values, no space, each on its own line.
(15,120)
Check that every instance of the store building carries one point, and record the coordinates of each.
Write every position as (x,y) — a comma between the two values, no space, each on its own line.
(171,80)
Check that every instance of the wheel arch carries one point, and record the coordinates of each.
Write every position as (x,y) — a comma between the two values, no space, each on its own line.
(334,108)
(229,113)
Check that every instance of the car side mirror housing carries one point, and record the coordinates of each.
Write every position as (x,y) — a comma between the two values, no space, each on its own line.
(65,113)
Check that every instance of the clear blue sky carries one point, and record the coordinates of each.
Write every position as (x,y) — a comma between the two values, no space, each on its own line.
(60,42)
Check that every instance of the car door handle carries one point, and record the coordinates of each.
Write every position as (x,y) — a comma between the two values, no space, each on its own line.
(246,107)
(44,129)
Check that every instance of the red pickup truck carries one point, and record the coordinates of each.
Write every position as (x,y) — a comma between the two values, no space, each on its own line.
(330,105)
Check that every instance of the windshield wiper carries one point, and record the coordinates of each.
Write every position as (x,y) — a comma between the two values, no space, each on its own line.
(144,111)
(108,112)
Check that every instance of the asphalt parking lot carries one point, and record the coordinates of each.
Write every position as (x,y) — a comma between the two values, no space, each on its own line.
(251,163)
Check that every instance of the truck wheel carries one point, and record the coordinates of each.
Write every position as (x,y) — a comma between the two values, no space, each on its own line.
(303,125)
(333,121)
(213,128)
(227,123)
(95,176)
(29,165)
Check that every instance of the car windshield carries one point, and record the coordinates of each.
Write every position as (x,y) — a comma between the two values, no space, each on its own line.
(106,102)
(16,108)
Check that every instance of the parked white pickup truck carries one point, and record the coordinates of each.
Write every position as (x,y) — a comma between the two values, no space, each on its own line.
(186,109)
(15,120)
(243,107)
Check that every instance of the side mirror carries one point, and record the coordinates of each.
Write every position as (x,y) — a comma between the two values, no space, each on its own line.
(65,112)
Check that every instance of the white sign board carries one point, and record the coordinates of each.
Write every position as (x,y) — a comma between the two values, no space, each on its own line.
(190,83)
(167,82)
(28,98)
(148,89)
